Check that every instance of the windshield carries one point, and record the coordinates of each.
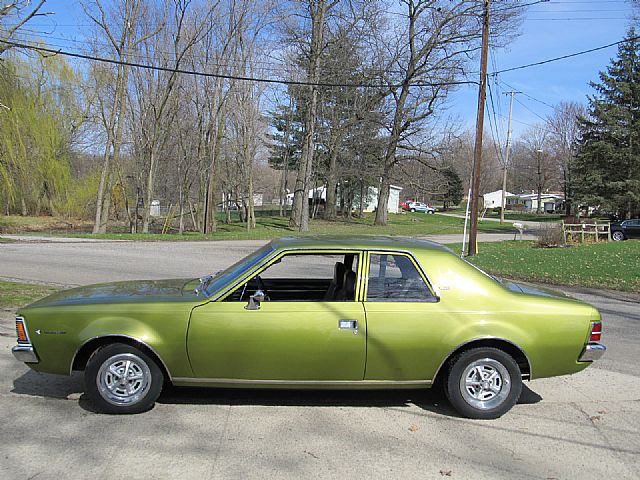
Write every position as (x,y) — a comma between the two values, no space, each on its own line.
(224,277)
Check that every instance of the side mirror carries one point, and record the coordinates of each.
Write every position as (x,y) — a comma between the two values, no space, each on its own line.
(254,300)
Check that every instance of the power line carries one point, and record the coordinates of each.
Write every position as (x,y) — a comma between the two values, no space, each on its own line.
(583,52)
(526,94)
(497,142)
(531,111)
(227,76)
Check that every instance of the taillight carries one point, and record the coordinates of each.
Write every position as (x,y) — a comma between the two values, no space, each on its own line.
(21,330)
(596,332)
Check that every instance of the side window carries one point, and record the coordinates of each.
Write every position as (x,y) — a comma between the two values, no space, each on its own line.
(304,277)
(394,278)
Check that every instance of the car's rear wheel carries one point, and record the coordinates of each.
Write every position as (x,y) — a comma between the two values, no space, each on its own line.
(483,383)
(120,378)
(617,236)
(412,210)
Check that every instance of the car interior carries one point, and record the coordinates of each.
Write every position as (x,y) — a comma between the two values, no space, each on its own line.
(304,278)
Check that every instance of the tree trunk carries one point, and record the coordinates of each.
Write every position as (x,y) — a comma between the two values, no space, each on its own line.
(300,211)
(146,213)
(332,181)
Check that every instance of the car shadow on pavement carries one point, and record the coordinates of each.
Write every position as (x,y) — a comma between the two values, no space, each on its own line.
(48,385)
(432,400)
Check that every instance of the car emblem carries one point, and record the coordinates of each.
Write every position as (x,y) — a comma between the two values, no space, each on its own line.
(38,331)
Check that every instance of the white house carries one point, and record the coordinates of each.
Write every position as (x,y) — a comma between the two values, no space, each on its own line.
(494,199)
(551,202)
(370,201)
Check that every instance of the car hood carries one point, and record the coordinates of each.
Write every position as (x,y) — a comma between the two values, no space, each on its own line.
(139,291)
(531,289)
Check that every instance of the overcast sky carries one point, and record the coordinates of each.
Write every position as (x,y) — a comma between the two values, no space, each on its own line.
(550,29)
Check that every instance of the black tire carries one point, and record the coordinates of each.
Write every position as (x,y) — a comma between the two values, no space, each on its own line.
(109,392)
(500,372)
(431,212)
(413,210)
(617,236)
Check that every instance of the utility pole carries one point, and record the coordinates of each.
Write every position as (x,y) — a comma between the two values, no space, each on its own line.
(506,157)
(477,151)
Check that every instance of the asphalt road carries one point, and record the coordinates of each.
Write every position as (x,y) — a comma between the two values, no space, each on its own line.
(72,262)
(582,426)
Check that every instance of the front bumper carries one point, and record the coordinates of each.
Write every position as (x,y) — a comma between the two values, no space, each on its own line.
(25,353)
(592,352)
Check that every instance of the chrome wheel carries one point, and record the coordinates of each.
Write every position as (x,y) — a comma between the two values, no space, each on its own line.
(617,236)
(123,379)
(485,384)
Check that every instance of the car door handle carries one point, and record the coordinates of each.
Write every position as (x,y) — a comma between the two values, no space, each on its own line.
(348,325)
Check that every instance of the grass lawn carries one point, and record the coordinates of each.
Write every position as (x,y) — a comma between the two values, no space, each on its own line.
(268,226)
(613,265)
(13,294)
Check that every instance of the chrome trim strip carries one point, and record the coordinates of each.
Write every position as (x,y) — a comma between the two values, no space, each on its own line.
(73,359)
(485,338)
(346,383)
(25,353)
(592,352)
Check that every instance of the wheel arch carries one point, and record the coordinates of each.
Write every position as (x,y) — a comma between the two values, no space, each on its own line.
(506,346)
(92,345)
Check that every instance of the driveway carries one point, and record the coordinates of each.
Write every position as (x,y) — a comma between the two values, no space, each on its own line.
(581,426)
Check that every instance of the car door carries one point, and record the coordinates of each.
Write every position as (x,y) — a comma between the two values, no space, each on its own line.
(404,319)
(298,335)
(632,228)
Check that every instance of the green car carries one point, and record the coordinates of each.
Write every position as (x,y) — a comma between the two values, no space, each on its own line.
(335,313)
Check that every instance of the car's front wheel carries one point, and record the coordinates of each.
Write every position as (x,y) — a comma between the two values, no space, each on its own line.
(618,236)
(120,378)
(412,210)
(483,383)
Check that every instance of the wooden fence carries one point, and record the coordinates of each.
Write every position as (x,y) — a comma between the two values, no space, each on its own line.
(586,231)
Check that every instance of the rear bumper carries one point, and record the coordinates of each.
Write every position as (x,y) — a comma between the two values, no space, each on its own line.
(25,353)
(592,352)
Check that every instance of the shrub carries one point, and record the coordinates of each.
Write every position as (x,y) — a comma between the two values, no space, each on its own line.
(550,235)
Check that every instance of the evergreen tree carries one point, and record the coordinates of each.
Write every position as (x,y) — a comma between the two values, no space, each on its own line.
(606,170)
(453,194)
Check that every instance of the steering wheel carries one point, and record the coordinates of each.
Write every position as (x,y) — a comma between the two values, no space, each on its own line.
(262,287)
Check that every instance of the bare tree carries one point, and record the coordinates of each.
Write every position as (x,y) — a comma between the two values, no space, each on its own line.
(424,55)
(564,133)
(121,26)
(13,16)
(186,27)
(317,11)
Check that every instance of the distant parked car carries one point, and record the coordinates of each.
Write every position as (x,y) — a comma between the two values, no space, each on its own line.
(420,207)
(405,205)
(625,229)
